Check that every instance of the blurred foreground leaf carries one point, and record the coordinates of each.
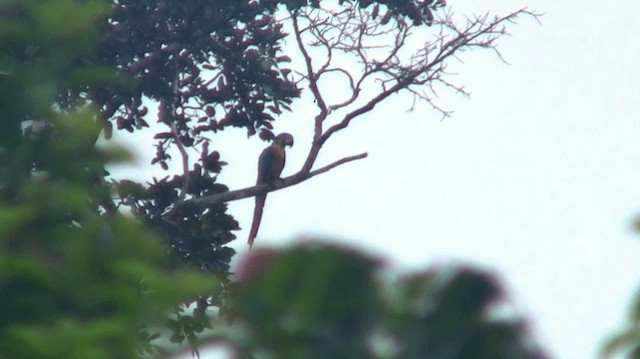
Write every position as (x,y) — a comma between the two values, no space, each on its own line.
(321,301)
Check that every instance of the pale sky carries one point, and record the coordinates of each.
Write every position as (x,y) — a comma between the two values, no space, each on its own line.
(535,176)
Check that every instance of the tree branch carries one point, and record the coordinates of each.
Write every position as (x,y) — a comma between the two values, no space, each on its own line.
(185,161)
(174,131)
(350,32)
(361,110)
(270,187)
(421,70)
(311,76)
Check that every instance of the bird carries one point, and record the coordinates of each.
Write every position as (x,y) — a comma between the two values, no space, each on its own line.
(270,165)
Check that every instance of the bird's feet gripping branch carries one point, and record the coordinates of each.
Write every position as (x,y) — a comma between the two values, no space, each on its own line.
(270,165)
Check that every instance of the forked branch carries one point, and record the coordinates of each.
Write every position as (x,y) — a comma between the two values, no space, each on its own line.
(379,49)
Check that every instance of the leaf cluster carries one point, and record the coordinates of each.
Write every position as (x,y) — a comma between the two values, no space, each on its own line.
(207,65)
(322,301)
(77,278)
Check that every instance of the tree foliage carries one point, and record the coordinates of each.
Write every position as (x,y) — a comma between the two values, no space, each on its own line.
(76,281)
(322,301)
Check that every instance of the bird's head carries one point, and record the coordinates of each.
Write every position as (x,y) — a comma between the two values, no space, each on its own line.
(284,139)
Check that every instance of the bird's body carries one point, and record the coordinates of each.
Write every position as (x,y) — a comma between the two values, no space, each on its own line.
(270,165)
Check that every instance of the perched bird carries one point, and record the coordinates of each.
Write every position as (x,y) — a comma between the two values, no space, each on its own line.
(270,165)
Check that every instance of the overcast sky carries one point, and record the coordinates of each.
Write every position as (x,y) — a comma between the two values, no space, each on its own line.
(535,176)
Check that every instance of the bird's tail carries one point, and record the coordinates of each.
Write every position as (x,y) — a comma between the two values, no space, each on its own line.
(257,216)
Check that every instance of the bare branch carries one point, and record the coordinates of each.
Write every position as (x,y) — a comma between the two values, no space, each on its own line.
(185,161)
(336,164)
(265,188)
(311,76)
(426,67)
(176,136)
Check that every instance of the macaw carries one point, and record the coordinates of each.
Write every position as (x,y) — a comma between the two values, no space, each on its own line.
(270,165)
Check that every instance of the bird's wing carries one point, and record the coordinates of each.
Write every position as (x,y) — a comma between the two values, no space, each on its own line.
(270,164)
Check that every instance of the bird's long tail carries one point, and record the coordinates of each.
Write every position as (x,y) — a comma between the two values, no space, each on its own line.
(257,216)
